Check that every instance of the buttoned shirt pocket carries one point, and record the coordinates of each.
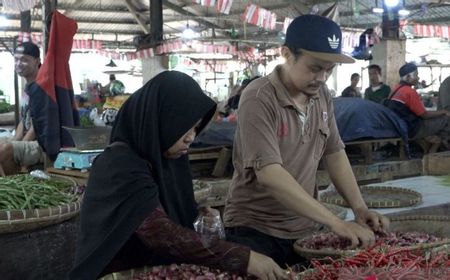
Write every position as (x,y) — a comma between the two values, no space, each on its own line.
(321,141)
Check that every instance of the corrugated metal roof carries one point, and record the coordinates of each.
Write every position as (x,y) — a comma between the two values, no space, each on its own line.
(112,18)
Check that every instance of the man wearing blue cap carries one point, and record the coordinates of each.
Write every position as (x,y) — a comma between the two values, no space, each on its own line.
(405,101)
(23,150)
(286,125)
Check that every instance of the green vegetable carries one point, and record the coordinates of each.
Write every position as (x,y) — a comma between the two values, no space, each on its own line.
(85,122)
(27,192)
(5,107)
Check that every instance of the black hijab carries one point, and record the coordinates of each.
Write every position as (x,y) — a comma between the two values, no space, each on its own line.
(152,121)
(116,203)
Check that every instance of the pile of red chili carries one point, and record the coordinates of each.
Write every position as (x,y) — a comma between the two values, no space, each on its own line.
(384,262)
(186,272)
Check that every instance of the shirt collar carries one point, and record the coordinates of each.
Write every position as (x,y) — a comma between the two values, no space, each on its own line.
(281,92)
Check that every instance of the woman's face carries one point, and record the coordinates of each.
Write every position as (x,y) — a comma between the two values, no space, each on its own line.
(181,147)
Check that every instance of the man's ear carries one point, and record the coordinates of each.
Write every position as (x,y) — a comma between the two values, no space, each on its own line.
(286,53)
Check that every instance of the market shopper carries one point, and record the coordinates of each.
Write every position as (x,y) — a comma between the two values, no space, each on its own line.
(139,205)
(377,91)
(23,149)
(286,125)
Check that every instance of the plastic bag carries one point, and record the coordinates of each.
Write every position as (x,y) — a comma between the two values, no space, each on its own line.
(39,174)
(210,227)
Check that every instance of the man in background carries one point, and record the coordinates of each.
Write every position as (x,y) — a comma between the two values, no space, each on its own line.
(406,103)
(23,149)
(352,90)
(377,91)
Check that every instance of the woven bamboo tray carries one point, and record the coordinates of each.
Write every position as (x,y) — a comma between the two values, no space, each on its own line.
(377,197)
(25,220)
(126,275)
(337,210)
(436,225)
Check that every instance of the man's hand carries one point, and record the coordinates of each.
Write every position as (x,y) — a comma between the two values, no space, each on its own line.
(359,236)
(372,219)
(264,267)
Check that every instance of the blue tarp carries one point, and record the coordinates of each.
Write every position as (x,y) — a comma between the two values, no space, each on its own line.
(216,134)
(356,119)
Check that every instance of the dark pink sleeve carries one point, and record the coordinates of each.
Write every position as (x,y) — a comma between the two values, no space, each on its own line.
(183,245)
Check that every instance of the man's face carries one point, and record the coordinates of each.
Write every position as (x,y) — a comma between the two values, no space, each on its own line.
(26,65)
(414,78)
(374,77)
(308,74)
(355,80)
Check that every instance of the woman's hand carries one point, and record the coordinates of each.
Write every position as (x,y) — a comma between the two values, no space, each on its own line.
(264,267)
(372,219)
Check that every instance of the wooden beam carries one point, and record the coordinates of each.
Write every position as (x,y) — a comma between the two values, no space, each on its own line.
(137,17)
(98,8)
(81,19)
(186,13)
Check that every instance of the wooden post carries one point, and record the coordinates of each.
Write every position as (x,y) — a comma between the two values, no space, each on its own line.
(222,162)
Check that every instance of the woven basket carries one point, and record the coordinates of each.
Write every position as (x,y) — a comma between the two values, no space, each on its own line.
(436,225)
(25,220)
(339,211)
(378,197)
(126,275)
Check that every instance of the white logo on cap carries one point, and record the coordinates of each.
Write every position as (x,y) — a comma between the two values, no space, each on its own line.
(334,42)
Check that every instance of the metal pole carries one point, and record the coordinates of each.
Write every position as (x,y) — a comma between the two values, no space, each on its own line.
(48,6)
(16,91)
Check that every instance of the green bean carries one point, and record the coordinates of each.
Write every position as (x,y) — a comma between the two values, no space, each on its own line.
(27,192)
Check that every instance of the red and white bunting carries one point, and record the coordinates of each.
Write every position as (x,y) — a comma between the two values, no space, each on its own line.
(260,17)
(224,6)
(78,44)
(145,53)
(426,30)
(109,54)
(251,14)
(29,37)
(273,52)
(87,44)
(206,3)
(350,39)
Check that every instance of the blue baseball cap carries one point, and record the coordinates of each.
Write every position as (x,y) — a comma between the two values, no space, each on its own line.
(317,36)
(27,48)
(406,69)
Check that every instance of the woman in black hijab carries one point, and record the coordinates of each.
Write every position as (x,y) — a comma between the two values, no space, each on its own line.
(139,205)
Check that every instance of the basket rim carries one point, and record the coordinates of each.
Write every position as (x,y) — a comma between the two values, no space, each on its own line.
(339,200)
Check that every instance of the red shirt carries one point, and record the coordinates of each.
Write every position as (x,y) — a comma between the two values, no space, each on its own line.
(410,98)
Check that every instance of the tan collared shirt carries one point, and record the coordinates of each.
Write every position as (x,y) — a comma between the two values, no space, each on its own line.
(271,130)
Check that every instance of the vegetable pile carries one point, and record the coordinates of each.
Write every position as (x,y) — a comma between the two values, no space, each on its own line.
(27,192)
(400,239)
(186,272)
(384,263)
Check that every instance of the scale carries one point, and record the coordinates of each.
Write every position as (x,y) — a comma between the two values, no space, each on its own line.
(89,143)
(72,158)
